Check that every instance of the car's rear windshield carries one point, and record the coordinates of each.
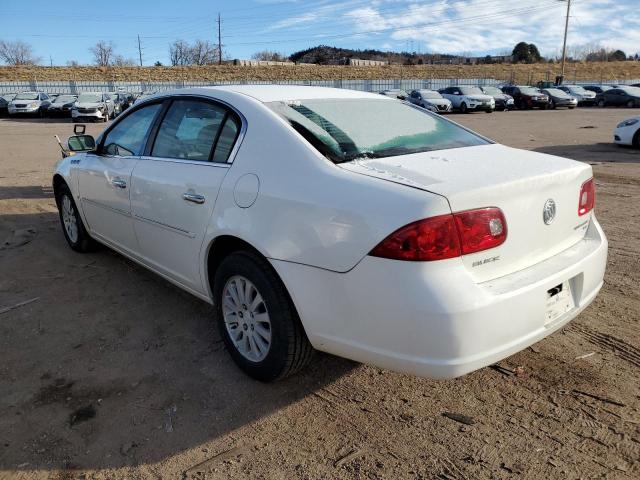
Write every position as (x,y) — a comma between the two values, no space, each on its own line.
(577,89)
(346,129)
(529,91)
(26,96)
(635,91)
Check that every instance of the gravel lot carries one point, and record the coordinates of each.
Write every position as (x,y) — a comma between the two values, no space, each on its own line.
(110,372)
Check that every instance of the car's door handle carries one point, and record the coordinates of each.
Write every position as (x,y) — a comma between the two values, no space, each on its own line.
(193,197)
(119,183)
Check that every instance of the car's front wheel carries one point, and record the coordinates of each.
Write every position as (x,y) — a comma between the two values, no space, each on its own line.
(257,319)
(631,104)
(601,103)
(76,235)
(463,108)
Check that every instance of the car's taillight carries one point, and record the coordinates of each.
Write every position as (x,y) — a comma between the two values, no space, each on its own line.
(445,236)
(587,199)
(433,238)
(481,229)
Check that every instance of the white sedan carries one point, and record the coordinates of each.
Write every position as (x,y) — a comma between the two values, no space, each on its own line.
(628,132)
(342,221)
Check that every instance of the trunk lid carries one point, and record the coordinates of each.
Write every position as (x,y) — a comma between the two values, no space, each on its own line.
(517,181)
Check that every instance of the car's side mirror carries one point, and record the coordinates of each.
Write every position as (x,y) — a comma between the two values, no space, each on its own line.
(81,143)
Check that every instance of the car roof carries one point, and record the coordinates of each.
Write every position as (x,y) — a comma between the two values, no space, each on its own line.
(274,93)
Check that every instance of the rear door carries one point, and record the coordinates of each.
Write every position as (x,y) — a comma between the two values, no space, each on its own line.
(176,183)
(104,178)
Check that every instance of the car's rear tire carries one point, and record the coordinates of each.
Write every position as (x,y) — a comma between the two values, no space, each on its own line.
(72,227)
(257,319)
(631,104)
(552,105)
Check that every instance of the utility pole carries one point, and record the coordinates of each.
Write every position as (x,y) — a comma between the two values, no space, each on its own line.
(564,43)
(140,50)
(219,40)
(50,61)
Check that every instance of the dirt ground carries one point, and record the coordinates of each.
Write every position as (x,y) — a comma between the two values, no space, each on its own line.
(112,373)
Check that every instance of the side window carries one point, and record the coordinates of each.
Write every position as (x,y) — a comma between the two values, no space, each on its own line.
(128,136)
(226,139)
(191,129)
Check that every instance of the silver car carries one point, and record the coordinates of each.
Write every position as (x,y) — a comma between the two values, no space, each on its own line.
(33,103)
(93,106)
(430,98)
(584,97)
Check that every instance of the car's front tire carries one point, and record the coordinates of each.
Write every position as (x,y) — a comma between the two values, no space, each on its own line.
(257,319)
(463,108)
(74,231)
(601,103)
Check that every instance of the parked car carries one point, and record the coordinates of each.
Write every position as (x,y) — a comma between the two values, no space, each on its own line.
(503,101)
(424,277)
(93,106)
(628,132)
(598,88)
(468,98)
(31,103)
(142,96)
(395,93)
(584,97)
(526,97)
(429,98)
(622,96)
(5,98)
(123,99)
(62,105)
(560,98)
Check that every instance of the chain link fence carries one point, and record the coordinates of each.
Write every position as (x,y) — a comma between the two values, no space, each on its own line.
(75,87)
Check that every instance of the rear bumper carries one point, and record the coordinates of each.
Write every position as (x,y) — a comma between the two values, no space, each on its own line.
(429,318)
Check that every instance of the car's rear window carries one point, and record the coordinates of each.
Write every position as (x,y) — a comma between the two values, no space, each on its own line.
(346,129)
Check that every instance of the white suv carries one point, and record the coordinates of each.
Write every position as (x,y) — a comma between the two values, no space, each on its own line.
(93,106)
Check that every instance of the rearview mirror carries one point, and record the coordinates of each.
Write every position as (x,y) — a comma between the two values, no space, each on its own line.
(79,129)
(81,143)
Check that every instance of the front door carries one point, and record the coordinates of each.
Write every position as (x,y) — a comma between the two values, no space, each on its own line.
(176,185)
(104,179)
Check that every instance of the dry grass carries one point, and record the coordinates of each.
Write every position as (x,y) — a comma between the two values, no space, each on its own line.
(611,71)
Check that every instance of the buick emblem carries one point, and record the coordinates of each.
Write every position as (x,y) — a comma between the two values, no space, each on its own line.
(549,211)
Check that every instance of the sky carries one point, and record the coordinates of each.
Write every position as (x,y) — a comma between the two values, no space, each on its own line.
(63,30)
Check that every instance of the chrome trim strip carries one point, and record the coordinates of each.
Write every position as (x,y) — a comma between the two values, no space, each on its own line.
(106,207)
(180,231)
(182,160)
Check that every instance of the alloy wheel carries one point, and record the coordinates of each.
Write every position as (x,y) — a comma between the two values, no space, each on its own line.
(246,318)
(69,219)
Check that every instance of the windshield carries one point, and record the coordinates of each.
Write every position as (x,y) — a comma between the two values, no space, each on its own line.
(529,91)
(26,96)
(577,89)
(471,91)
(9,97)
(430,94)
(90,98)
(635,91)
(346,129)
(492,91)
(65,99)
(556,92)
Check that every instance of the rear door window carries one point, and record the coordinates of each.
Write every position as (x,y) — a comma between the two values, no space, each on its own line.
(196,130)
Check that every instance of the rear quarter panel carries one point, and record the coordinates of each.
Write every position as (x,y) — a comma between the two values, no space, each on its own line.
(308,210)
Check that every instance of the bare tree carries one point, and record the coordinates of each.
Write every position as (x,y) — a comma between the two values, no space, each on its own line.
(120,61)
(72,63)
(17,53)
(203,53)
(180,53)
(102,53)
(268,55)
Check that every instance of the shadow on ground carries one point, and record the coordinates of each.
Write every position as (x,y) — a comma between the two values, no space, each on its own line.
(109,365)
